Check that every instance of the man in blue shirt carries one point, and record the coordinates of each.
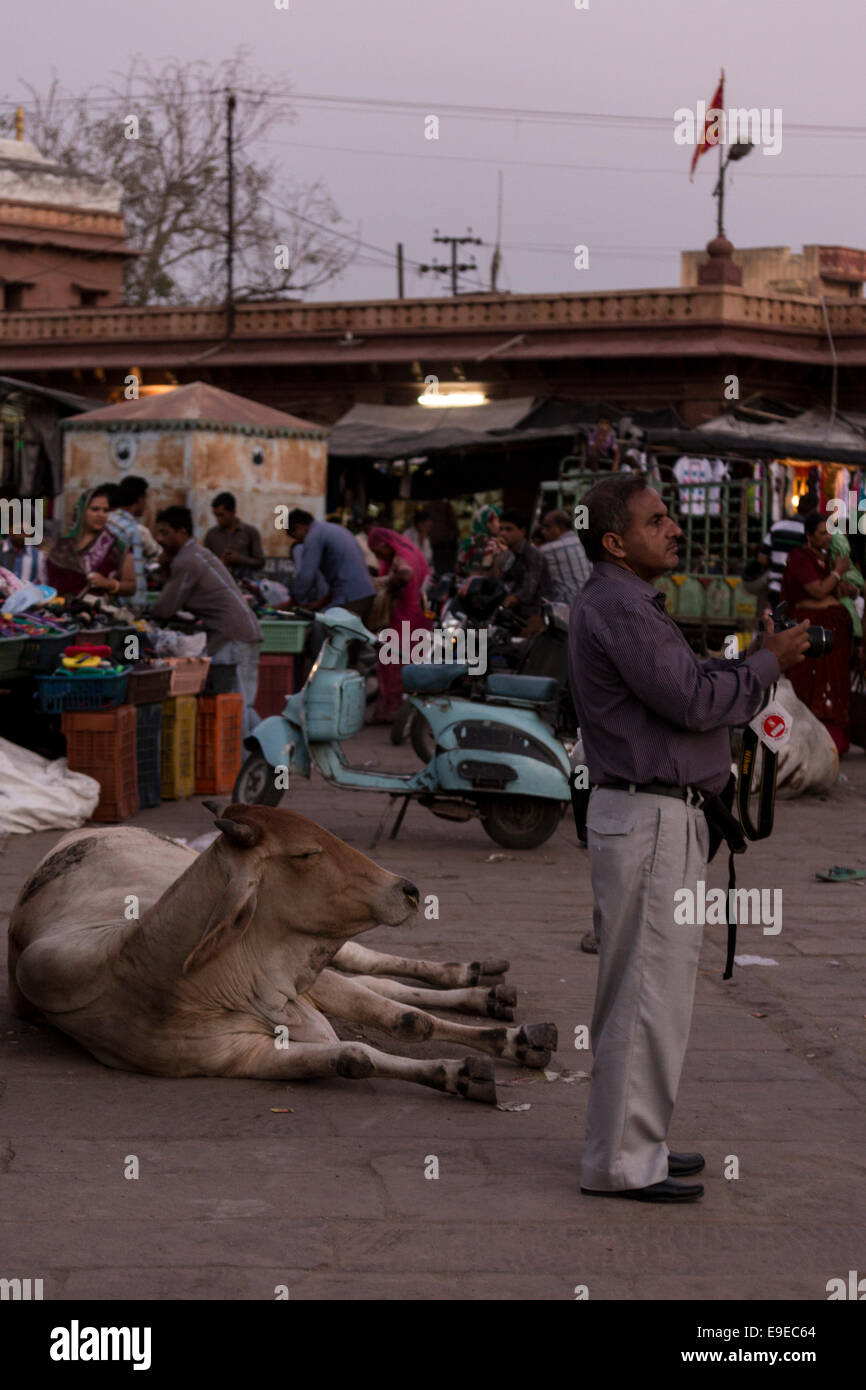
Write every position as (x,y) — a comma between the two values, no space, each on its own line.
(333,550)
(24,560)
(130,501)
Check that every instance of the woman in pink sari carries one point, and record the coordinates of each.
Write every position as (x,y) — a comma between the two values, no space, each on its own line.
(405,570)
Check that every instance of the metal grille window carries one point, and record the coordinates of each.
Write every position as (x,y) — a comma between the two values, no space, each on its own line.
(722,519)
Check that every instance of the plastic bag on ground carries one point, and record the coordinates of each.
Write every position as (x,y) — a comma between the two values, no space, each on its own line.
(40,794)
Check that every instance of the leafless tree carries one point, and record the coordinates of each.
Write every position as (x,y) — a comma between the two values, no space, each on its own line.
(175,182)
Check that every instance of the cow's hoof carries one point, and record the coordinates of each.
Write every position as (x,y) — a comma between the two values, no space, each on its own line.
(354,1064)
(535,1043)
(501,1001)
(476,1080)
(488,972)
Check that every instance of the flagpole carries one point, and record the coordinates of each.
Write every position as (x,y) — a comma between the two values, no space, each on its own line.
(721,218)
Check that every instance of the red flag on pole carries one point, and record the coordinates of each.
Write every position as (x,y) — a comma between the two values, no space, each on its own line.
(709,133)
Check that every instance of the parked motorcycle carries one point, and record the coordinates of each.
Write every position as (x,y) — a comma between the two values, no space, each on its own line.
(545,653)
(494,756)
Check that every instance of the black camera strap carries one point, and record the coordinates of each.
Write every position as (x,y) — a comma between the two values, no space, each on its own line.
(766,788)
(739,832)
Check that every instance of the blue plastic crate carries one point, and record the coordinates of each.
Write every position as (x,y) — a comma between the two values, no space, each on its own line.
(148,754)
(59,694)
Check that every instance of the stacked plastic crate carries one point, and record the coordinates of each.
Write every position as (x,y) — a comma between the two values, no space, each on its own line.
(102,743)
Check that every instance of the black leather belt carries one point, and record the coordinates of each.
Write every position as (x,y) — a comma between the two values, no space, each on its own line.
(693,795)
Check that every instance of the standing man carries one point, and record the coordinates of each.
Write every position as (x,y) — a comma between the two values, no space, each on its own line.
(419,534)
(233,541)
(564,557)
(783,537)
(25,561)
(199,583)
(124,521)
(335,551)
(655,724)
(525,577)
(602,446)
(444,535)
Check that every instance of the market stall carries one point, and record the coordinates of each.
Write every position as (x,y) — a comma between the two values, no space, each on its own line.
(136,707)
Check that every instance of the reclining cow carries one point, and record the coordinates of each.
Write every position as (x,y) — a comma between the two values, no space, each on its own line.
(226,970)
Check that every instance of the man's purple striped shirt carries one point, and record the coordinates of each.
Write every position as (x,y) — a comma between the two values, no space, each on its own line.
(649,709)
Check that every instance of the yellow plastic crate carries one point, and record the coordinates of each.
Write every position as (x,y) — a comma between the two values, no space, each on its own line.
(177,761)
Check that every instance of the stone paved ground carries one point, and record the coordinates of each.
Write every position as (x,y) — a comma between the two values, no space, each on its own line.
(331,1199)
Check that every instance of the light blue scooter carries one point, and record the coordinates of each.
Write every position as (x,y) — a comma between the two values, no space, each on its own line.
(494,755)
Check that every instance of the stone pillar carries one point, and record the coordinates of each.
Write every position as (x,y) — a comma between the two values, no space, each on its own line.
(720,268)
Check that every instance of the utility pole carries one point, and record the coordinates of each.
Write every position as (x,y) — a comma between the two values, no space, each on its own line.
(496,258)
(400,293)
(231,102)
(455,268)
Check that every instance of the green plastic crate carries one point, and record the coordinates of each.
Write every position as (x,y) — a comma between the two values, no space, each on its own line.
(282,636)
(11,652)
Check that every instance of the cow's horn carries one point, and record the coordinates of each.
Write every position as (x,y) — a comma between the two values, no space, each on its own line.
(216,808)
(246,835)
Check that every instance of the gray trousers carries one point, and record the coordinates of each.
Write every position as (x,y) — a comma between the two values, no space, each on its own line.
(245,657)
(642,849)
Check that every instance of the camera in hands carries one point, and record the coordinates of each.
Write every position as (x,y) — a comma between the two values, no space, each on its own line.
(820,638)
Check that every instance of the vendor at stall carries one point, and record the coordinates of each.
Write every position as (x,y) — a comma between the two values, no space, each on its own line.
(200,584)
(89,559)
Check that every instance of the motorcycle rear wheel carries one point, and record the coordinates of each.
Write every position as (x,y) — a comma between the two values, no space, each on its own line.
(521,822)
(255,783)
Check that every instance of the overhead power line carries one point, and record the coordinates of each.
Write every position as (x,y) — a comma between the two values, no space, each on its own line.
(433,156)
(529,114)
(466,111)
(346,236)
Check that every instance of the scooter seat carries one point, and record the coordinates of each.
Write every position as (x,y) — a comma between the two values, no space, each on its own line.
(431,680)
(536,690)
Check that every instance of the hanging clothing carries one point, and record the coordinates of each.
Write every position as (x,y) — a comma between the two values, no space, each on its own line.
(688,471)
(778,487)
(720,473)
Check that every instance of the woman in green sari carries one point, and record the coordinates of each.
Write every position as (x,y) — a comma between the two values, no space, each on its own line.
(476,552)
(89,557)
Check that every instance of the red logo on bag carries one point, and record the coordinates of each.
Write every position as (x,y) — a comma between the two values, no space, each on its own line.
(774,726)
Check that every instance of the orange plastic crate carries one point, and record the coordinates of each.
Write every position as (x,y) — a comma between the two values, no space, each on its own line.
(188,673)
(276,683)
(102,743)
(177,754)
(218,746)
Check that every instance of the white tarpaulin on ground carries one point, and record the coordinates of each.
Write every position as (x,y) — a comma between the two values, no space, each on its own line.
(38,794)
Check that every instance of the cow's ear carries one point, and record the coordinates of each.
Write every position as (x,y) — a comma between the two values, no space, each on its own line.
(239,832)
(231,916)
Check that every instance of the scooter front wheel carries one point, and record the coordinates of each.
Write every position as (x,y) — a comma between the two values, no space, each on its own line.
(400,727)
(422,737)
(521,822)
(255,783)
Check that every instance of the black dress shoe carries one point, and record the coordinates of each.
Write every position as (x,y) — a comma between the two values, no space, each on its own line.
(683,1165)
(665,1191)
